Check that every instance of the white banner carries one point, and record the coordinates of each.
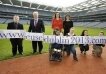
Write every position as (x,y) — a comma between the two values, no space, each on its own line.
(33,36)
(52,38)
(12,34)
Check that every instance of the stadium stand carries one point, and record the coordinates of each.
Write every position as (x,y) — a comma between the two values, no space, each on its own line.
(91,24)
(91,13)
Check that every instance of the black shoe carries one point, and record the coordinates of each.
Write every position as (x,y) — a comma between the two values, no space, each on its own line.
(75,58)
(68,54)
(84,53)
(34,52)
(14,55)
(81,51)
(40,53)
(93,52)
(20,54)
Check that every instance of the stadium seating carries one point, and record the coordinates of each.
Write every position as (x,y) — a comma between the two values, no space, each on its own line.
(91,24)
(86,18)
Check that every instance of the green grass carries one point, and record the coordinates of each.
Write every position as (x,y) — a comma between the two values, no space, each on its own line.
(5,46)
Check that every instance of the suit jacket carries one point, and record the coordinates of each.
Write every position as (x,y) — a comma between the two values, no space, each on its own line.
(12,26)
(39,28)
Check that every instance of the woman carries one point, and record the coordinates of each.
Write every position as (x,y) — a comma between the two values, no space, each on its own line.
(84,47)
(57,22)
(71,47)
(67,24)
(97,48)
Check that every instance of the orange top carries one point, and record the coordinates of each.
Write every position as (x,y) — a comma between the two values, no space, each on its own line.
(57,24)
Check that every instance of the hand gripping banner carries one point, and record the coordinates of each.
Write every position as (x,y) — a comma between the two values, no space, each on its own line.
(6,34)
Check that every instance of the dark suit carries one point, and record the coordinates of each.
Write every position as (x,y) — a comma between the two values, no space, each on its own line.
(16,42)
(38,28)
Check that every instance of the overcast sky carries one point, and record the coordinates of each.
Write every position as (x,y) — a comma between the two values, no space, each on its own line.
(56,3)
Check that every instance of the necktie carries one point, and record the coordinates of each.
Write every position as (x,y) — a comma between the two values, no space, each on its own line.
(35,22)
(16,25)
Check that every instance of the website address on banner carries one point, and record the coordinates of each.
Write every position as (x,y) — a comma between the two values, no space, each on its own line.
(5,34)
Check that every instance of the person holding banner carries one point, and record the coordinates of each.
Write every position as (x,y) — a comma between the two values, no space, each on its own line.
(16,42)
(67,24)
(57,22)
(98,48)
(71,47)
(36,26)
(84,47)
(55,49)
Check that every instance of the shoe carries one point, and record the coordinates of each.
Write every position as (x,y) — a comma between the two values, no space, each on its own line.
(14,55)
(21,53)
(93,52)
(40,53)
(75,58)
(68,54)
(81,51)
(84,53)
(34,52)
(59,60)
(98,55)
(50,59)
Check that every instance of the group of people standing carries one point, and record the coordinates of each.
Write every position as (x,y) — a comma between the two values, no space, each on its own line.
(67,26)
(37,26)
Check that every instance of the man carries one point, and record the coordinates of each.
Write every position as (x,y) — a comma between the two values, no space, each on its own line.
(16,42)
(37,26)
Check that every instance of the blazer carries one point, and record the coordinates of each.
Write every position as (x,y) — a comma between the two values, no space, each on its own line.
(12,26)
(39,28)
